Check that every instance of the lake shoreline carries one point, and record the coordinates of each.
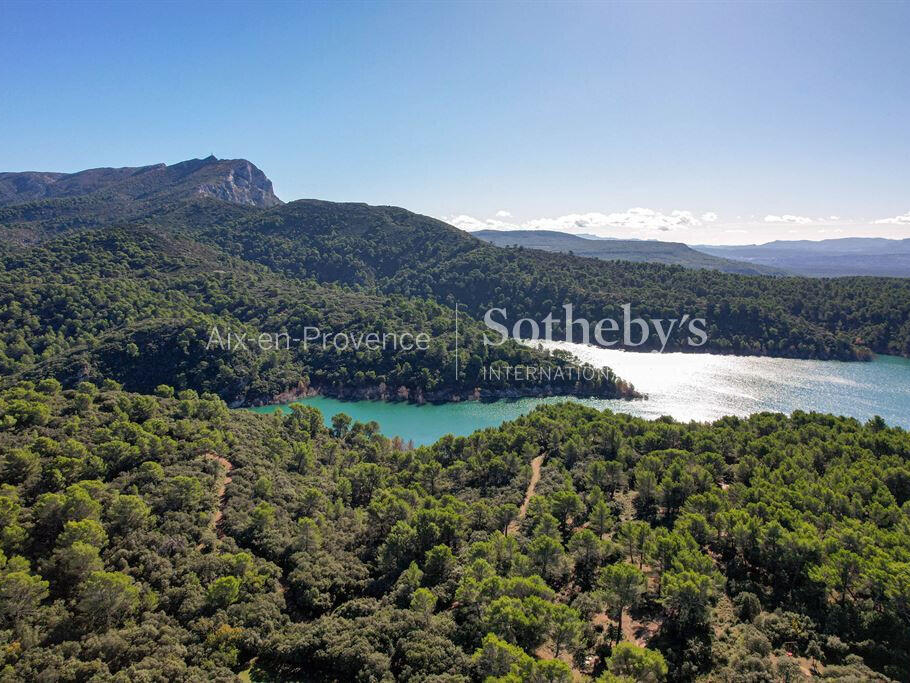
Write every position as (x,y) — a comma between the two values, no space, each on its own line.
(381,394)
(686,387)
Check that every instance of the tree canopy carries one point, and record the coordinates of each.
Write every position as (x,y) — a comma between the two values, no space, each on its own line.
(144,534)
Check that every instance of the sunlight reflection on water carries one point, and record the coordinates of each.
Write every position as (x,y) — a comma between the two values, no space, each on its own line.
(701,387)
(707,386)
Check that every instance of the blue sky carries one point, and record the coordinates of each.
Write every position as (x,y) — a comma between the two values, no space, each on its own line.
(698,122)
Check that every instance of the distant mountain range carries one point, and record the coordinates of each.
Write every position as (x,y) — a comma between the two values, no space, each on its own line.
(641,251)
(825,258)
(36,205)
(848,256)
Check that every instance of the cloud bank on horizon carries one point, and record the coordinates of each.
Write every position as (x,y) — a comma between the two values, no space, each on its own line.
(689,226)
(637,220)
(903,219)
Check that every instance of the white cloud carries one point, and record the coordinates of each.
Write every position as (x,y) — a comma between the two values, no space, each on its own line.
(464,222)
(634,219)
(788,218)
(471,224)
(675,225)
(896,220)
(637,221)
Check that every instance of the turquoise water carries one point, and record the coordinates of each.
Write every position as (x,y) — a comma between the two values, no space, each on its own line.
(685,386)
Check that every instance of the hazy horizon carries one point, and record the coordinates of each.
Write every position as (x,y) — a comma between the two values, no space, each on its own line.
(741,238)
(595,238)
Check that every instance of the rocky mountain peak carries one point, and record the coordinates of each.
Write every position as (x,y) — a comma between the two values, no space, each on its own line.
(240,182)
(233,180)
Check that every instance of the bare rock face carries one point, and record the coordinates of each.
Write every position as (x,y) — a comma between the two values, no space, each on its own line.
(232,180)
(242,183)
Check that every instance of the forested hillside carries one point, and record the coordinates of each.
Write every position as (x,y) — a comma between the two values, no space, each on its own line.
(396,251)
(168,538)
(138,304)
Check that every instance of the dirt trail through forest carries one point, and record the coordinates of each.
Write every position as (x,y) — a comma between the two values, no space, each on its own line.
(223,481)
(536,464)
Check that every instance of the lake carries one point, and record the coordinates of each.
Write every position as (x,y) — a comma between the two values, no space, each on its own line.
(685,386)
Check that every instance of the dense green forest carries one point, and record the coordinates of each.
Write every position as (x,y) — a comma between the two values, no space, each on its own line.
(388,251)
(168,538)
(396,251)
(138,304)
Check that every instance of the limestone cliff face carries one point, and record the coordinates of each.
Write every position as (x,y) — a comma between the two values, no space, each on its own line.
(232,180)
(241,183)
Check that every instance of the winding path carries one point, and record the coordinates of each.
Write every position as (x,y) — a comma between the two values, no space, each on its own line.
(223,481)
(536,464)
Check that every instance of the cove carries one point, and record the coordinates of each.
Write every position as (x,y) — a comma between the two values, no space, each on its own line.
(685,386)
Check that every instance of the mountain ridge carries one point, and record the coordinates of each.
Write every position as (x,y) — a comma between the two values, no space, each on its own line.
(641,251)
(845,256)
(234,180)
